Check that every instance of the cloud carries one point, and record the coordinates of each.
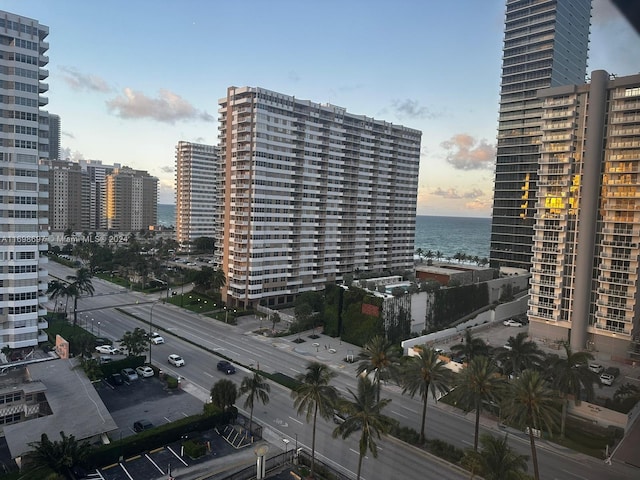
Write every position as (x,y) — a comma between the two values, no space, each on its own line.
(453,194)
(604,12)
(67,154)
(81,81)
(67,134)
(466,153)
(479,204)
(167,107)
(411,109)
(166,169)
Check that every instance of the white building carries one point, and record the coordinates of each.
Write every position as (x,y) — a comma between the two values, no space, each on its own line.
(310,193)
(23,180)
(196,199)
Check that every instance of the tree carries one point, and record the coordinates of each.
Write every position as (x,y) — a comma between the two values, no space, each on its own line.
(478,383)
(379,357)
(470,346)
(204,245)
(218,280)
(303,313)
(519,354)
(531,405)
(256,389)
(420,253)
(496,460)
(364,414)
(569,375)
(61,455)
(315,396)
(275,318)
(60,288)
(136,342)
(224,394)
(80,283)
(426,373)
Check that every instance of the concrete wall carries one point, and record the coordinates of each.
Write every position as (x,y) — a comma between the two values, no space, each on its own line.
(599,415)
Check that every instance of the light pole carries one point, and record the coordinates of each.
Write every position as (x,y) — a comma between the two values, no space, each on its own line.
(151,327)
(98,328)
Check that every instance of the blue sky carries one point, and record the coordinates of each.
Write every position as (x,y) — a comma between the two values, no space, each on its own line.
(130,79)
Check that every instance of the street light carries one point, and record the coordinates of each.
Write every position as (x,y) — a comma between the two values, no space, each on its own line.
(98,328)
(151,326)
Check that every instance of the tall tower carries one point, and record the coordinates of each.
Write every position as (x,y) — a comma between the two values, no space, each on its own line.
(545,45)
(131,200)
(310,193)
(196,198)
(23,181)
(54,137)
(585,274)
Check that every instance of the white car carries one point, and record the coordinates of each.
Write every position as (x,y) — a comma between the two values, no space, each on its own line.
(511,323)
(107,349)
(144,371)
(607,379)
(156,339)
(596,368)
(176,360)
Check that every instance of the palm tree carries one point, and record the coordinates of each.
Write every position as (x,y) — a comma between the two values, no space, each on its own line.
(478,383)
(224,394)
(496,460)
(59,288)
(61,455)
(569,375)
(470,346)
(420,253)
(381,358)
(519,354)
(218,280)
(315,396)
(81,283)
(426,373)
(530,404)
(257,389)
(364,414)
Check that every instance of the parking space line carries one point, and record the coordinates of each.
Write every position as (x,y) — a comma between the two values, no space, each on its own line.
(126,472)
(154,464)
(177,456)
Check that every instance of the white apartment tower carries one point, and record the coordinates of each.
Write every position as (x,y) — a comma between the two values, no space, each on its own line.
(586,247)
(196,198)
(309,193)
(23,181)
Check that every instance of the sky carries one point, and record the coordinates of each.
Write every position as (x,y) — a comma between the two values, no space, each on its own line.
(130,79)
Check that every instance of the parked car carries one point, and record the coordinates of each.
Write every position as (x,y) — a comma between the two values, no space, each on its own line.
(116,379)
(607,379)
(142,425)
(145,371)
(129,373)
(105,359)
(176,360)
(615,371)
(226,367)
(107,349)
(596,368)
(511,323)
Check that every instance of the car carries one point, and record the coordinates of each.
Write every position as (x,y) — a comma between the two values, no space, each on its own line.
(142,425)
(607,379)
(107,349)
(129,374)
(226,367)
(105,359)
(116,379)
(156,339)
(176,360)
(511,323)
(145,371)
(596,368)
(615,371)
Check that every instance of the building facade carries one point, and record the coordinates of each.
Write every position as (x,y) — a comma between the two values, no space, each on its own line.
(308,194)
(131,200)
(68,193)
(23,181)
(584,284)
(545,45)
(196,193)
(54,137)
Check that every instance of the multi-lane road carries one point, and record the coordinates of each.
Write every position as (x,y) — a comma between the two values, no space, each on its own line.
(278,418)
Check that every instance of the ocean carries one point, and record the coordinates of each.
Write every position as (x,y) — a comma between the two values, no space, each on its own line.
(448,235)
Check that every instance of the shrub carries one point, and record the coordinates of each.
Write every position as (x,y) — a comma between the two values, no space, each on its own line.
(193,449)
(445,450)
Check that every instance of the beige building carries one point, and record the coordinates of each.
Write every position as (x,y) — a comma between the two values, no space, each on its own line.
(68,192)
(131,200)
(309,193)
(584,284)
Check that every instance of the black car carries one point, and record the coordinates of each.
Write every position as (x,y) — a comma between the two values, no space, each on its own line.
(142,425)
(226,367)
(117,379)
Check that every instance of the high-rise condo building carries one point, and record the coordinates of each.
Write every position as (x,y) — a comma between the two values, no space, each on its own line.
(68,195)
(54,137)
(545,45)
(196,198)
(131,200)
(310,193)
(584,284)
(23,181)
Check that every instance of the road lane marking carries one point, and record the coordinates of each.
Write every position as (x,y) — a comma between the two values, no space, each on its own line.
(574,475)
(296,420)
(358,453)
(399,414)
(208,374)
(297,371)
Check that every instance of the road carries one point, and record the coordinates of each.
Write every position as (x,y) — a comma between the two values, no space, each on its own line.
(278,417)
